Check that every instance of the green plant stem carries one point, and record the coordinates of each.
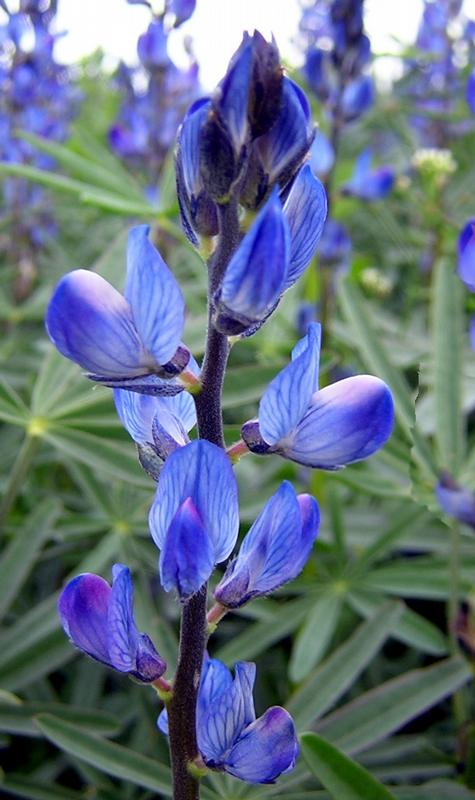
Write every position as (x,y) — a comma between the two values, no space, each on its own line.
(17,474)
(193,634)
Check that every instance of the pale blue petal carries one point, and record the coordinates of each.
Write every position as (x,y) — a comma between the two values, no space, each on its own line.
(290,136)
(187,555)
(183,407)
(266,749)
(122,631)
(345,422)
(288,396)
(306,212)
(202,471)
(155,298)
(226,714)
(90,323)
(136,412)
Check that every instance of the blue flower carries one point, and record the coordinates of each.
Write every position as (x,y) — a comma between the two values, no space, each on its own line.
(152,46)
(130,341)
(99,620)
(455,500)
(182,9)
(369,184)
(470,92)
(335,245)
(197,210)
(255,276)
(358,97)
(327,429)
(274,550)
(230,738)
(322,155)
(158,425)
(466,255)
(194,519)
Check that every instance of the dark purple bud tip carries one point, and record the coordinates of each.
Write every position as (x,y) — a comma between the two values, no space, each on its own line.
(252,436)
(178,363)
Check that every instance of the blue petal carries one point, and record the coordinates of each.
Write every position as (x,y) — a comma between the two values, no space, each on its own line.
(202,471)
(183,9)
(288,396)
(274,550)
(358,97)
(229,709)
(470,92)
(137,412)
(345,422)
(187,555)
(233,100)
(369,184)
(290,137)
(162,722)
(266,749)
(143,384)
(322,155)
(466,255)
(122,633)
(90,323)
(255,276)
(306,211)
(188,144)
(83,608)
(155,298)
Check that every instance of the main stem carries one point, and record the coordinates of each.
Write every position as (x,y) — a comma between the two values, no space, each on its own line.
(182,707)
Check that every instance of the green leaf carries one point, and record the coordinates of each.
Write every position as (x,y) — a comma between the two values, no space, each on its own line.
(314,637)
(374,355)
(12,407)
(260,636)
(23,550)
(447,321)
(340,670)
(343,777)
(109,757)
(32,789)
(419,577)
(86,170)
(410,628)
(18,718)
(381,711)
(247,384)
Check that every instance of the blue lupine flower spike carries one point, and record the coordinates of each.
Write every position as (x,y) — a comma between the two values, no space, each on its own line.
(194,519)
(274,550)
(327,429)
(230,738)
(131,341)
(99,620)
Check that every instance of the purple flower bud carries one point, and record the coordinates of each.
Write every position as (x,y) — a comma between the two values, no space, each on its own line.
(327,429)
(358,97)
(195,536)
(230,738)
(130,341)
(99,620)
(255,276)
(322,155)
(274,550)
(182,9)
(335,245)
(466,255)
(152,46)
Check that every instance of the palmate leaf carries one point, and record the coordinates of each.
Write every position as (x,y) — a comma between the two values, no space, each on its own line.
(315,635)
(329,681)
(343,777)
(19,718)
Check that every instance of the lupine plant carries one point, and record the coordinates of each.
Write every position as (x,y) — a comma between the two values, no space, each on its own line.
(37,97)
(156,95)
(250,202)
